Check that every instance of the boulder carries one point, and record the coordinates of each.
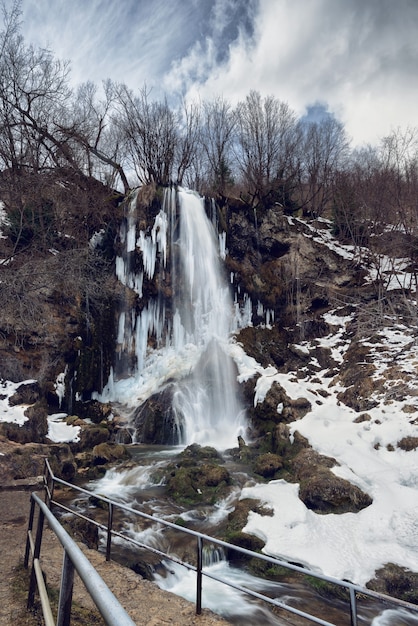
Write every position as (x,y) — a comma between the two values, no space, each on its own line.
(62,461)
(108,453)
(325,493)
(396,581)
(197,476)
(91,436)
(408,443)
(321,490)
(155,421)
(268,464)
(26,393)
(34,430)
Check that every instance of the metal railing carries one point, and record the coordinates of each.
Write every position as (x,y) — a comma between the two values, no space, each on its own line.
(353,591)
(109,607)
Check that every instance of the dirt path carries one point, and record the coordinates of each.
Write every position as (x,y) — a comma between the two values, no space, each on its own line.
(144,601)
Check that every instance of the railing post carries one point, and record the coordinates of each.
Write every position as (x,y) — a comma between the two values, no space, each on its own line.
(66,592)
(109,531)
(48,483)
(353,607)
(199,576)
(37,550)
(30,527)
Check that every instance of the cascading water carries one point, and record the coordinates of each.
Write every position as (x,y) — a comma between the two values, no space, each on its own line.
(190,332)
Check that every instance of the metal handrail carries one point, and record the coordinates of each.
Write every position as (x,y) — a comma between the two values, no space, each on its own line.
(50,480)
(74,559)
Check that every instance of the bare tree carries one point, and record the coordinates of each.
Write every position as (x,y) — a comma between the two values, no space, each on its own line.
(399,158)
(187,141)
(217,135)
(265,137)
(97,134)
(34,93)
(325,149)
(150,131)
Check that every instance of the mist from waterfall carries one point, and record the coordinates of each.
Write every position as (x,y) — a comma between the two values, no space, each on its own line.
(190,333)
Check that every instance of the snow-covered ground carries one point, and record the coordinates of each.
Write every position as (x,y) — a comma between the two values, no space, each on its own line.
(350,546)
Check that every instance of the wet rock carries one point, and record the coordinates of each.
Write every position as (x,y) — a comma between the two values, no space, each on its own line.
(197,476)
(213,475)
(108,453)
(237,520)
(267,465)
(155,421)
(195,453)
(203,484)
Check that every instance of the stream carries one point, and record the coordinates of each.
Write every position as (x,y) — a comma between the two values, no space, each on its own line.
(140,486)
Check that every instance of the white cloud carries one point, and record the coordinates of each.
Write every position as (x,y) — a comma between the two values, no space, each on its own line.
(358,57)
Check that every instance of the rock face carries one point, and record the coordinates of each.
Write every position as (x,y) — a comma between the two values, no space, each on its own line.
(154,421)
(58,292)
(273,259)
(59,327)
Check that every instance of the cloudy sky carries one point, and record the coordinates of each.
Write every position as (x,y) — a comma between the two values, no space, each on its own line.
(358,57)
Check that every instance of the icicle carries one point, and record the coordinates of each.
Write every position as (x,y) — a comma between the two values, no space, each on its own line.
(121,328)
(222,245)
(157,242)
(131,235)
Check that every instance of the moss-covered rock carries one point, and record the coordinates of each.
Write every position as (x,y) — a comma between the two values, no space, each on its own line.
(197,476)
(108,452)
(91,436)
(195,454)
(202,484)
(267,464)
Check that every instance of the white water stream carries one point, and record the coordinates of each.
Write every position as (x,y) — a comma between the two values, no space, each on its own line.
(137,487)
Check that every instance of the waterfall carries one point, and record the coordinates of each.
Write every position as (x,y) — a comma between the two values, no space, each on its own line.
(188,322)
